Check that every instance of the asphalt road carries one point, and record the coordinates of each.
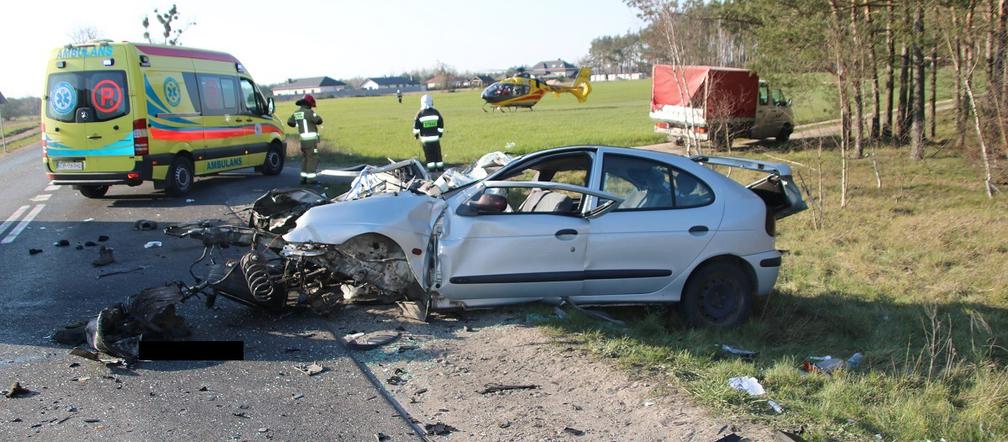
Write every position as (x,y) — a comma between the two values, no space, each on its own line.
(261,397)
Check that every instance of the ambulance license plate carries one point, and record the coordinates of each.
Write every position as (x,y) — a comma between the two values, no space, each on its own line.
(69,165)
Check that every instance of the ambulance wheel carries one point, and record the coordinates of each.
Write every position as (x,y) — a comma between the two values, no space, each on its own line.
(180,177)
(274,162)
(93,191)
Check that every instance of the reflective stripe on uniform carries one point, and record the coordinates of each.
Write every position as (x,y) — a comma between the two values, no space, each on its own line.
(431,165)
(429,139)
(440,130)
(308,175)
(309,136)
(428,118)
(440,165)
(416,131)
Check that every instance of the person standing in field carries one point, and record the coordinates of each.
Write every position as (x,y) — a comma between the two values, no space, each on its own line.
(428,128)
(307,123)
(398,94)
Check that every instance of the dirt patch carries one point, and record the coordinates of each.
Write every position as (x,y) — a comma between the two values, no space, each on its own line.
(440,371)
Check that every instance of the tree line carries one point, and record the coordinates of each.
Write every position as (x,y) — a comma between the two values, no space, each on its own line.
(884,57)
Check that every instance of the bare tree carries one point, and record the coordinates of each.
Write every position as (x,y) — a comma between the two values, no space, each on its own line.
(904,90)
(887,127)
(873,69)
(857,80)
(167,19)
(917,102)
(83,34)
(837,46)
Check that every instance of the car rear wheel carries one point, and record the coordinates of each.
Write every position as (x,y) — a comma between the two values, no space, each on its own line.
(93,191)
(274,162)
(717,295)
(785,133)
(180,177)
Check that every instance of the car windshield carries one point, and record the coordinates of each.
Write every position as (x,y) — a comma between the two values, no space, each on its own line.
(105,93)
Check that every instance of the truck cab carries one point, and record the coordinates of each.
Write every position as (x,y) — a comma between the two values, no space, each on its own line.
(774,117)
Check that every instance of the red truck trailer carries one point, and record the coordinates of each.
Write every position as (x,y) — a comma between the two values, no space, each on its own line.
(717,104)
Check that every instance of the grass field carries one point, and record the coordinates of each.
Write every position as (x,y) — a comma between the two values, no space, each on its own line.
(377,127)
(913,275)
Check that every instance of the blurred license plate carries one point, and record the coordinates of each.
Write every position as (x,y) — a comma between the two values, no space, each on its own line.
(69,165)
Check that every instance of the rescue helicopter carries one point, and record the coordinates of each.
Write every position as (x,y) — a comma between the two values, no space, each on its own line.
(521,90)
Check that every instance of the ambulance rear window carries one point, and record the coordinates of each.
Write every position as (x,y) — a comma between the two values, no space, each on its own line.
(103,93)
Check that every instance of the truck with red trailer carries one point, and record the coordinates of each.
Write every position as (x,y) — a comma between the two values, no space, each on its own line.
(717,104)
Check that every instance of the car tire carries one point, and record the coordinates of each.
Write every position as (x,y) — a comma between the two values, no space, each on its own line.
(274,162)
(785,133)
(93,191)
(717,295)
(180,177)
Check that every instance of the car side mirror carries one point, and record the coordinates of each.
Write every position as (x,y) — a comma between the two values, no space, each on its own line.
(486,204)
(270,106)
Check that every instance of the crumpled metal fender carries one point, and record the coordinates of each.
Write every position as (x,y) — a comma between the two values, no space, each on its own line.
(406,218)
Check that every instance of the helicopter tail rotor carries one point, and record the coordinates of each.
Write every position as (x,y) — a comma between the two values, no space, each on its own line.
(582,85)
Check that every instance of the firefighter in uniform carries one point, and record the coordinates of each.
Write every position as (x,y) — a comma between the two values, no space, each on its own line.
(428,128)
(307,122)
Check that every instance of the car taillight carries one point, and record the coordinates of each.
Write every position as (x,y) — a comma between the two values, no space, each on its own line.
(662,125)
(140,146)
(701,130)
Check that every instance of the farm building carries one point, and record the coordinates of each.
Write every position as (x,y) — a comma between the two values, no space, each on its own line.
(312,85)
(478,81)
(390,83)
(554,69)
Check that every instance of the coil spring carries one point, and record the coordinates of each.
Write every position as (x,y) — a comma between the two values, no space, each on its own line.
(257,276)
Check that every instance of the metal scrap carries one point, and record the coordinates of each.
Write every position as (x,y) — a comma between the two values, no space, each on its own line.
(310,369)
(496,388)
(16,390)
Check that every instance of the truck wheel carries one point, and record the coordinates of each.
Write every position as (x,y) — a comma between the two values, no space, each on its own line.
(718,295)
(180,177)
(274,162)
(93,191)
(785,133)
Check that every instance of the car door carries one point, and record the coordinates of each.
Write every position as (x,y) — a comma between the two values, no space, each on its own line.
(766,114)
(666,219)
(221,125)
(531,242)
(256,122)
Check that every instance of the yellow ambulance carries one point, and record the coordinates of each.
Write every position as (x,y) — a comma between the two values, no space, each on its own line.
(126,113)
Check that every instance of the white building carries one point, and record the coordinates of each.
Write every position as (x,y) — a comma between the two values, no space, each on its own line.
(390,83)
(313,85)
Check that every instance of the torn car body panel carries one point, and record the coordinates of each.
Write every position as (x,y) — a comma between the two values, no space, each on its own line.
(405,218)
(778,189)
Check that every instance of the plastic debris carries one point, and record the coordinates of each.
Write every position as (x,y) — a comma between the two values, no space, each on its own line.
(152,244)
(105,257)
(573,431)
(367,341)
(310,369)
(776,407)
(16,391)
(34,251)
(747,384)
(190,200)
(439,429)
(61,243)
(829,364)
(495,388)
(737,352)
(145,224)
(119,272)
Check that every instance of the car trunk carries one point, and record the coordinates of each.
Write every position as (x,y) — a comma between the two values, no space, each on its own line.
(777,189)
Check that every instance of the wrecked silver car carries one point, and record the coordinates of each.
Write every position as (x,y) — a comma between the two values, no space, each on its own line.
(586,225)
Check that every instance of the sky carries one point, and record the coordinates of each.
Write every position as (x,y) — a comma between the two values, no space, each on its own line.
(277,40)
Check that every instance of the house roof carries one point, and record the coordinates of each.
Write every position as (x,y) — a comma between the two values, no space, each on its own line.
(391,81)
(552,65)
(302,83)
(483,78)
(440,78)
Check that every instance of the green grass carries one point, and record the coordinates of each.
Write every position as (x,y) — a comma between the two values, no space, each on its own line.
(18,126)
(377,127)
(914,275)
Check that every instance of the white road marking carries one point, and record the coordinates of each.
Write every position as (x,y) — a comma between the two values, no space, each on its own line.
(42,197)
(52,188)
(22,225)
(14,217)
